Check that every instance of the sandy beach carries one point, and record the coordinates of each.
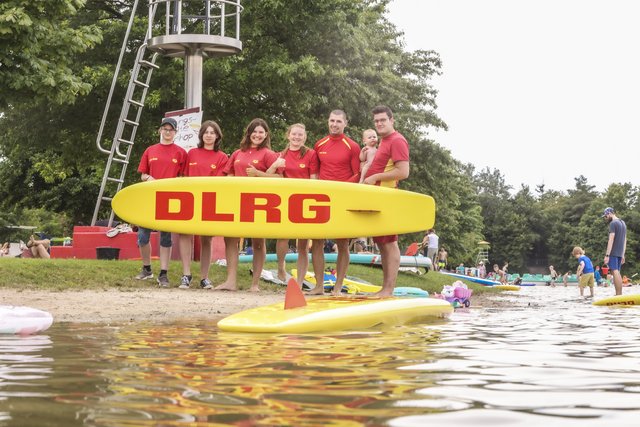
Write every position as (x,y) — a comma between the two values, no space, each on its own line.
(153,305)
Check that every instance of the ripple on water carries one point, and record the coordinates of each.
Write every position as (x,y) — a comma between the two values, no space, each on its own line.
(550,358)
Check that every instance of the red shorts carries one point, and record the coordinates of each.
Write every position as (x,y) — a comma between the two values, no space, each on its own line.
(381,240)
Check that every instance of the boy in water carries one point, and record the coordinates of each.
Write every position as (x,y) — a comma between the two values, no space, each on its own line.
(368,152)
(585,270)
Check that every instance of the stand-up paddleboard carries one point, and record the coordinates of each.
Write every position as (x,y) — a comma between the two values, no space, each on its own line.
(273,208)
(355,285)
(478,280)
(626,299)
(507,287)
(335,314)
(23,320)
(418,261)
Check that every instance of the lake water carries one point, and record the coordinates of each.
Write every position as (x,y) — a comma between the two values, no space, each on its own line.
(549,358)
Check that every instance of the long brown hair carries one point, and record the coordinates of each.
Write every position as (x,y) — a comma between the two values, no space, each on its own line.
(216,128)
(245,144)
(304,148)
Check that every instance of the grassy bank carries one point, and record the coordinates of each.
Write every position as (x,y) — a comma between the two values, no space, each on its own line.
(76,274)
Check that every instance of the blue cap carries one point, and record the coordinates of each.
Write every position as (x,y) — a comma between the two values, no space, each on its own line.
(608,211)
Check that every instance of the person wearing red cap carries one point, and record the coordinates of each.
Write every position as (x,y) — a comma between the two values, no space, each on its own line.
(616,246)
(162,160)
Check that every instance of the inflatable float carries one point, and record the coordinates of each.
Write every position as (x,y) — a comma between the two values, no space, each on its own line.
(507,287)
(335,314)
(23,320)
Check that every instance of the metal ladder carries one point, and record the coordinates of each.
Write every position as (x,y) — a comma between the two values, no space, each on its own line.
(129,120)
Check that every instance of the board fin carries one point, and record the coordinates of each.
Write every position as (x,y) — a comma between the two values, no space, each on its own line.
(294,297)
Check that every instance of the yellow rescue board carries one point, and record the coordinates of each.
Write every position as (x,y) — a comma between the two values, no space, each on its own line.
(628,299)
(273,208)
(335,314)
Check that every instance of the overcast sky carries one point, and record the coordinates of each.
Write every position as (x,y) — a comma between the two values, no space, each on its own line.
(543,90)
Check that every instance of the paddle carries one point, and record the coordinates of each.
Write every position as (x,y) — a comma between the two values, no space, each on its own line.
(294,297)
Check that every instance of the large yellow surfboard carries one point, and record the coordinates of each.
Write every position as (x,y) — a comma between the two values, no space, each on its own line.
(335,314)
(273,208)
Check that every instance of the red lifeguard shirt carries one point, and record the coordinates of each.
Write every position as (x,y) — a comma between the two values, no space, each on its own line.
(296,167)
(339,158)
(203,162)
(240,160)
(163,161)
(393,148)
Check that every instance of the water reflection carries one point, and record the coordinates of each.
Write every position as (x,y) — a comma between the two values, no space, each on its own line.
(550,358)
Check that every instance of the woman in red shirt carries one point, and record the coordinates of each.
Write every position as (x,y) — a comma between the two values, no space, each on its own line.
(205,160)
(253,158)
(295,161)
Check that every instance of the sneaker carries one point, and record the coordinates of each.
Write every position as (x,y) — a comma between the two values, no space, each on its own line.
(206,284)
(144,274)
(163,281)
(185,282)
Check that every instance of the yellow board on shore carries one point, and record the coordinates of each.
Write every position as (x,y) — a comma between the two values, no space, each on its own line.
(628,299)
(507,287)
(273,208)
(335,314)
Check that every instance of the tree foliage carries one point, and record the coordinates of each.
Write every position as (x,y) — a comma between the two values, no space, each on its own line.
(38,47)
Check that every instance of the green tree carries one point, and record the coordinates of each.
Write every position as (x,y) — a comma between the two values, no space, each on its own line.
(38,47)
(283,75)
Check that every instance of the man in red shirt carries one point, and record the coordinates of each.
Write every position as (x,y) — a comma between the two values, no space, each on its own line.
(162,160)
(390,165)
(339,159)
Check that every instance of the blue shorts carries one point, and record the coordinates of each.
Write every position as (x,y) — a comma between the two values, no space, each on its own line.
(615,262)
(144,235)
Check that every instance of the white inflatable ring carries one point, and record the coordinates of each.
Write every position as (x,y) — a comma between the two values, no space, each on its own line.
(23,320)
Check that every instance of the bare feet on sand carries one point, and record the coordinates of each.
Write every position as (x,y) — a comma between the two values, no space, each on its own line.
(226,287)
(318,290)
(254,289)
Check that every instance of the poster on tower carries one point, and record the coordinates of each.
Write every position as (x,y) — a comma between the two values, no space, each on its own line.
(189,121)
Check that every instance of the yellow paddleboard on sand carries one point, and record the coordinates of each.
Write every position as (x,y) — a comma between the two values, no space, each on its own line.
(507,287)
(335,314)
(628,299)
(272,208)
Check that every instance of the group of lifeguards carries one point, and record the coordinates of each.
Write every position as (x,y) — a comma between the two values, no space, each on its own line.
(335,157)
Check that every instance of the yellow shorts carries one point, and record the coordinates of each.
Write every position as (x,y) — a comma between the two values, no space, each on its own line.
(586,280)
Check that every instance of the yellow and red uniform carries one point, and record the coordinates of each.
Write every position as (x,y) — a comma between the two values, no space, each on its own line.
(393,148)
(339,158)
(240,160)
(163,161)
(297,167)
(203,162)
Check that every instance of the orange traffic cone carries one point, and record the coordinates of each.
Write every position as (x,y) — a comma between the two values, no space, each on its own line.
(294,297)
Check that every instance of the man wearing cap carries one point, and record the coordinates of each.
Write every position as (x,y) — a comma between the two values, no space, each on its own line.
(616,246)
(162,160)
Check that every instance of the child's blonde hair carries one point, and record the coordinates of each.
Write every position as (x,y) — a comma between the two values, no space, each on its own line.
(577,251)
(364,133)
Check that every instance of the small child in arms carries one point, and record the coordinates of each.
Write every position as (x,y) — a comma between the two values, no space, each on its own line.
(368,152)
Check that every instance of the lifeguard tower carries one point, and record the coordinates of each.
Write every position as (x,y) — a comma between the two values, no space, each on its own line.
(191,29)
(483,252)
